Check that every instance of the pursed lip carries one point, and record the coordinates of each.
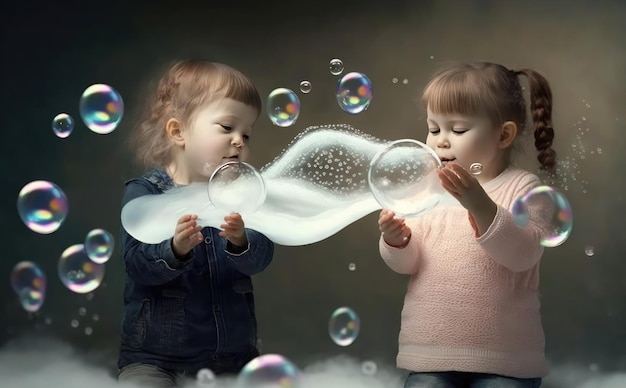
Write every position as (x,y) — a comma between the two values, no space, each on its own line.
(446,160)
(233,157)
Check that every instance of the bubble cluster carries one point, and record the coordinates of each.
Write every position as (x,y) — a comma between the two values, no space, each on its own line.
(336,66)
(305,87)
(283,107)
(63,125)
(99,245)
(269,371)
(559,221)
(237,187)
(42,206)
(29,283)
(78,272)
(354,92)
(101,108)
(402,178)
(343,326)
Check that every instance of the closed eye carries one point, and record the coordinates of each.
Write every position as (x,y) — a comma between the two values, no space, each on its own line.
(226,127)
(459,131)
(434,131)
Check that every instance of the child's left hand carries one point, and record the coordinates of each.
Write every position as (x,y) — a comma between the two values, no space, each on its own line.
(464,187)
(233,230)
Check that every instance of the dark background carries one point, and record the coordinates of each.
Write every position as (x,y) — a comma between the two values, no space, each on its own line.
(50,52)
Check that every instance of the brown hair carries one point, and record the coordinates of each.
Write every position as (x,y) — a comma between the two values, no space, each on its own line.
(187,86)
(493,90)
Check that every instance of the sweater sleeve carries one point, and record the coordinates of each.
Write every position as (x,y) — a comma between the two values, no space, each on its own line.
(403,260)
(516,247)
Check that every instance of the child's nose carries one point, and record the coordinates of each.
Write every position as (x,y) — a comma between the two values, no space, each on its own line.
(237,140)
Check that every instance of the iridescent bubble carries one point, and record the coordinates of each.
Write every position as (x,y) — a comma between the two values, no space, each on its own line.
(403,177)
(78,272)
(336,66)
(74,323)
(205,378)
(268,371)
(29,283)
(589,251)
(42,206)
(305,87)
(476,168)
(237,187)
(99,245)
(283,107)
(352,267)
(62,125)
(394,80)
(560,219)
(82,311)
(88,331)
(369,368)
(354,92)
(344,326)
(101,108)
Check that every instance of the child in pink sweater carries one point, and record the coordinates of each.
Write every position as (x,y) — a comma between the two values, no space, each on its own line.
(471,315)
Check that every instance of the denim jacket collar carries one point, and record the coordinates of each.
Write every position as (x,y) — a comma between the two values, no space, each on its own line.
(160,179)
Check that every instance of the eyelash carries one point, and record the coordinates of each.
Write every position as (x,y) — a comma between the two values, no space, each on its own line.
(457,131)
(227,128)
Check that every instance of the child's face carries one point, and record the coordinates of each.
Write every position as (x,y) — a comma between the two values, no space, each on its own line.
(465,140)
(220,133)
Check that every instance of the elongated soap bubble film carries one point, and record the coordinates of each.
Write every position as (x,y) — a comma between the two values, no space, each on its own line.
(316,187)
(354,92)
(283,107)
(101,108)
(270,371)
(403,178)
(344,326)
(559,218)
(77,272)
(29,283)
(42,206)
(237,187)
(99,245)
(63,125)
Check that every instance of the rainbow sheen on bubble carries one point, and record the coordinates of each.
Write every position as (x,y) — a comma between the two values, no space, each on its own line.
(283,107)
(354,92)
(403,178)
(336,66)
(63,125)
(268,371)
(101,108)
(99,245)
(29,283)
(560,217)
(42,206)
(237,187)
(305,87)
(343,326)
(78,272)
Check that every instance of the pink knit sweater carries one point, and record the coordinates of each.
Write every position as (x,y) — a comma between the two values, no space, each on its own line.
(472,304)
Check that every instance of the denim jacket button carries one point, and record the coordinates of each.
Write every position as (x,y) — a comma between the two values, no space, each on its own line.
(214,357)
(207,240)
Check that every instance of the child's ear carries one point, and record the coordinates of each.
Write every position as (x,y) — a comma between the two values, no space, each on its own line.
(508,132)
(174,132)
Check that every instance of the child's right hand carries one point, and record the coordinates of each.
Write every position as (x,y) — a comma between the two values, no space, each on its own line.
(394,230)
(187,235)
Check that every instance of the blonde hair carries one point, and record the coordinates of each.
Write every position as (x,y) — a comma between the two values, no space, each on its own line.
(494,91)
(186,87)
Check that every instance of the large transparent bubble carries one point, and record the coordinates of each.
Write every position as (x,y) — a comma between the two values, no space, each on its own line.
(29,283)
(344,326)
(403,178)
(237,187)
(354,92)
(78,272)
(42,206)
(270,371)
(101,108)
(283,107)
(99,245)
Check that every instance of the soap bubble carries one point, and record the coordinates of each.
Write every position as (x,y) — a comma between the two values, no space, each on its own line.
(237,187)
(589,251)
(77,272)
(369,368)
(283,107)
(205,378)
(476,168)
(268,371)
(88,331)
(354,92)
(42,206)
(402,178)
(336,66)
(29,283)
(352,267)
(560,217)
(101,108)
(62,125)
(99,245)
(344,326)
(305,87)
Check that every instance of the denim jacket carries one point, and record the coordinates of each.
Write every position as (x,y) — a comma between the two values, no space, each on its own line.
(191,314)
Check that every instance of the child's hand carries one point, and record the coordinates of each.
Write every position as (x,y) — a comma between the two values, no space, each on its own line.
(187,235)
(464,187)
(234,231)
(394,230)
